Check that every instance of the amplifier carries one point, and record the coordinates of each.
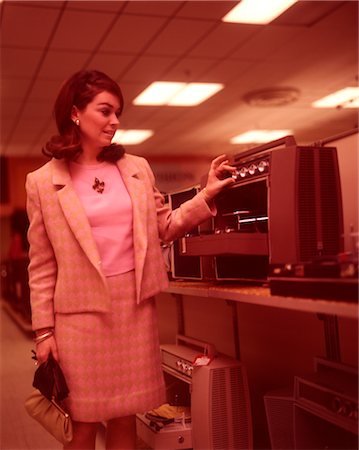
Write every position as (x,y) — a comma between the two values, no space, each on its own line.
(331,279)
(219,395)
(326,407)
(285,206)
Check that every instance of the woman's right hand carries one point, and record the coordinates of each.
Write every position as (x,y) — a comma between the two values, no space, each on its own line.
(44,348)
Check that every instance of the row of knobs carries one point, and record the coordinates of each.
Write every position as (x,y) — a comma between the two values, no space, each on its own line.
(252,169)
(184,367)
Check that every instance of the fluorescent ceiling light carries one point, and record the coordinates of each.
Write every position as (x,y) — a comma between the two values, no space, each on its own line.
(257,11)
(158,93)
(345,98)
(176,94)
(259,136)
(131,137)
(195,93)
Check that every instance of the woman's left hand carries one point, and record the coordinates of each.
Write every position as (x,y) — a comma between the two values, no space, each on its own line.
(218,177)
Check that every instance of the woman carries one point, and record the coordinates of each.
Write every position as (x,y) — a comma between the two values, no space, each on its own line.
(96,221)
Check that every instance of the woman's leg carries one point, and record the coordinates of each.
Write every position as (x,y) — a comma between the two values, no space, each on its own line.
(121,433)
(84,436)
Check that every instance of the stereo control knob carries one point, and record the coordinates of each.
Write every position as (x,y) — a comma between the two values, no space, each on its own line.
(252,169)
(243,171)
(262,166)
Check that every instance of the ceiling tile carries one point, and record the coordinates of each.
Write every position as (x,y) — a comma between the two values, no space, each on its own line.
(113,64)
(225,71)
(270,38)
(306,13)
(6,127)
(318,42)
(104,6)
(14,88)
(153,8)
(27,27)
(54,4)
(201,10)
(19,63)
(10,108)
(44,90)
(81,30)
(179,36)
(131,33)
(189,69)
(38,109)
(58,65)
(147,69)
(223,40)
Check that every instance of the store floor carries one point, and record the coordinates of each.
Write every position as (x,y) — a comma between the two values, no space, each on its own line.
(17,430)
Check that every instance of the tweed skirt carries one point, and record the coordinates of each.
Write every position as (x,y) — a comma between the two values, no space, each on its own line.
(111,361)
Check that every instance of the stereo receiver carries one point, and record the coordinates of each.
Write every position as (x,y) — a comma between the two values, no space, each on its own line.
(284,207)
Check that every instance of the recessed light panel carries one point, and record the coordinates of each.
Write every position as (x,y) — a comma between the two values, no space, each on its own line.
(259,136)
(344,98)
(195,93)
(131,137)
(257,11)
(177,94)
(158,93)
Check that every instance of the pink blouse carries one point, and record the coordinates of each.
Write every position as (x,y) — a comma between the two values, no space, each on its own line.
(109,213)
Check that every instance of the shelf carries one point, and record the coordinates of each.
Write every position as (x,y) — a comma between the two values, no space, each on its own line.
(259,295)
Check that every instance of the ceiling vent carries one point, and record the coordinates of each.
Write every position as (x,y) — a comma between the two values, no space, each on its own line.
(272,97)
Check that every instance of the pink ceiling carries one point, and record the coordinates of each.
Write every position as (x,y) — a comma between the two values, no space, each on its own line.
(312,47)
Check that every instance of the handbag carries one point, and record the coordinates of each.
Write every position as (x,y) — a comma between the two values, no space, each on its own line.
(50,415)
(43,404)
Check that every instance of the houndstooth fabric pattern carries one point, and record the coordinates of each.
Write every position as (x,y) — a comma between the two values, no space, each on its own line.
(111,361)
(65,272)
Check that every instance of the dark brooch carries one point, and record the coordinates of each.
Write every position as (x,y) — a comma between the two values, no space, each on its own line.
(98,185)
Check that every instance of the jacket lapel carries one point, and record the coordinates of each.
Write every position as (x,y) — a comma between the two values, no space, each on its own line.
(74,211)
(137,191)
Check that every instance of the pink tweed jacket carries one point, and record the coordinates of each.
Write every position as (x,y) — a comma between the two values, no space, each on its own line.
(65,272)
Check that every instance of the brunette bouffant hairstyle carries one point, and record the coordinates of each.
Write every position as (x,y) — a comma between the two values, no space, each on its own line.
(79,90)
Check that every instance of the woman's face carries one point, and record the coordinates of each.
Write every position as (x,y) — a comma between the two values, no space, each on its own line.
(98,121)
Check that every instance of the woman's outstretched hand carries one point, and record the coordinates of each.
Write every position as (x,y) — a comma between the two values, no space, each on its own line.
(218,177)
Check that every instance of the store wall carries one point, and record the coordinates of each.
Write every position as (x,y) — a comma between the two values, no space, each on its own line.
(17,169)
(348,165)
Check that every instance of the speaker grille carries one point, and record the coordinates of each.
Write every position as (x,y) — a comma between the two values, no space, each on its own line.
(330,204)
(319,208)
(306,206)
(279,406)
(230,409)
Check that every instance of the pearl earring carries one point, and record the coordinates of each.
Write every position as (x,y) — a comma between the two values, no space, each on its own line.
(77,122)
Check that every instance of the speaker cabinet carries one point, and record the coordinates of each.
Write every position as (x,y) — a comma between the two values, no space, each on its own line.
(220,407)
(279,407)
(314,432)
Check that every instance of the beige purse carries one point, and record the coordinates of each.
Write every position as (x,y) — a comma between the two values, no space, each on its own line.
(50,415)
